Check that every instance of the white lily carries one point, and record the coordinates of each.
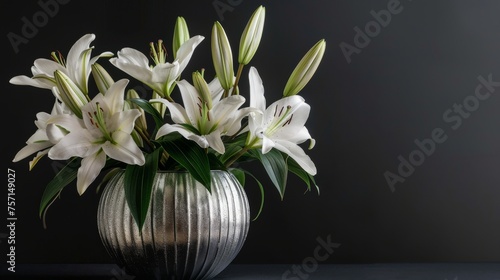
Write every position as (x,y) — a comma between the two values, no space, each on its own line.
(107,131)
(162,76)
(77,66)
(280,126)
(198,122)
(45,136)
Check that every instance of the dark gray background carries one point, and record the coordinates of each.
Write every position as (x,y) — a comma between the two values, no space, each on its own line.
(364,115)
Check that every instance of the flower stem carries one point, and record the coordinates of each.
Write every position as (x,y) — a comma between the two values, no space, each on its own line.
(164,158)
(241,153)
(166,96)
(237,156)
(238,77)
(226,92)
(169,98)
(145,137)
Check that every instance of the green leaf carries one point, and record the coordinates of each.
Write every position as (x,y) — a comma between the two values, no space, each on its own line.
(64,177)
(295,168)
(189,155)
(106,178)
(215,163)
(239,174)
(262,194)
(314,182)
(138,182)
(231,150)
(275,166)
(147,107)
(239,139)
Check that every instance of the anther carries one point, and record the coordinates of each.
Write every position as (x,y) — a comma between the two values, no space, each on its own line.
(281,111)
(289,121)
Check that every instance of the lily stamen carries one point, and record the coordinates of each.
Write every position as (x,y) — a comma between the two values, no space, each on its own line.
(282,121)
(281,111)
(59,58)
(289,121)
(158,53)
(91,118)
(100,122)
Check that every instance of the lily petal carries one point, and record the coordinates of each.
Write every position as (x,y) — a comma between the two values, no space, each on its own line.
(95,58)
(68,122)
(38,156)
(169,128)
(31,149)
(165,73)
(215,141)
(186,51)
(273,116)
(177,112)
(78,47)
(124,149)
(76,64)
(23,80)
(234,126)
(48,67)
(89,170)
(115,96)
(267,144)
(255,123)
(257,99)
(296,152)
(223,111)
(134,63)
(292,128)
(124,121)
(41,119)
(39,136)
(189,99)
(55,133)
(78,143)
(216,89)
(300,136)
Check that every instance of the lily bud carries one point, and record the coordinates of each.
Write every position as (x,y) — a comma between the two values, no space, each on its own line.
(202,87)
(222,57)
(140,122)
(137,138)
(160,107)
(101,77)
(181,35)
(250,39)
(70,93)
(305,69)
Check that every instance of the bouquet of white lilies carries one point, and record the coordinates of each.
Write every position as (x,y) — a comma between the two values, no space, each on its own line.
(107,130)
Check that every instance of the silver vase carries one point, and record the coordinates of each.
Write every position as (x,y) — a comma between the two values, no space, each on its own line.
(189,233)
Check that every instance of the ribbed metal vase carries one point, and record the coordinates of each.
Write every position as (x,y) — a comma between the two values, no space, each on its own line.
(189,232)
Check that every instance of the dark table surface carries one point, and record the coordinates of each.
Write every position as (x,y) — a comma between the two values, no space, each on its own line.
(383,271)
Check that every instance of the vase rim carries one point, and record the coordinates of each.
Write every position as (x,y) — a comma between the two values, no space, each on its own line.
(180,171)
(185,171)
